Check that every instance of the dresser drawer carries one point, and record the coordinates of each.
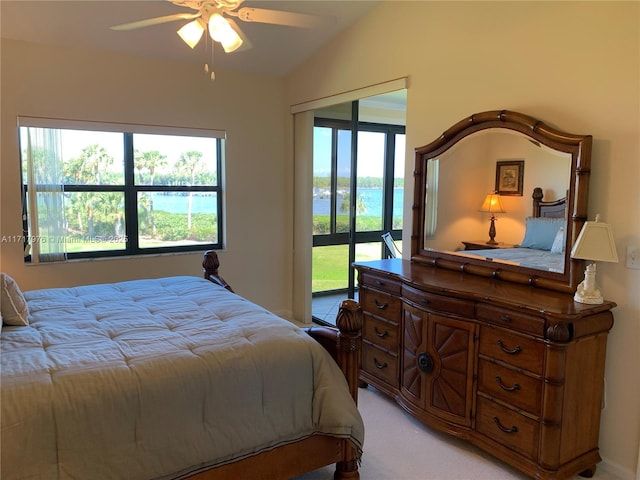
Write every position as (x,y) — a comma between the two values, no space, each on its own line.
(381,304)
(380,283)
(515,350)
(433,301)
(512,429)
(511,319)
(381,332)
(380,364)
(510,386)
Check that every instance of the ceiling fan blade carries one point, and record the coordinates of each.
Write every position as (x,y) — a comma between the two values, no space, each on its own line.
(278,17)
(156,21)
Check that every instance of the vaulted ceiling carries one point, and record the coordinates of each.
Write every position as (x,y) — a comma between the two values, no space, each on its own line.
(276,50)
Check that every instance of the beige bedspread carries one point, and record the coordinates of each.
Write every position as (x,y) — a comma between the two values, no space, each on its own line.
(153,379)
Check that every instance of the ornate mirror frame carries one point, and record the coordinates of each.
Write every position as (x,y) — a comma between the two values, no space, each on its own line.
(578,146)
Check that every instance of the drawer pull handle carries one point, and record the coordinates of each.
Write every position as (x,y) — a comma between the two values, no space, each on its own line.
(379,365)
(425,362)
(380,306)
(518,348)
(505,318)
(513,429)
(425,300)
(379,283)
(379,333)
(516,386)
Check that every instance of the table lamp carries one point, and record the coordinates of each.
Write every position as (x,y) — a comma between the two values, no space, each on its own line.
(594,243)
(492,205)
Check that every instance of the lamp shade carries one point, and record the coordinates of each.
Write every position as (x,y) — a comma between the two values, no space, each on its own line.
(221,31)
(492,204)
(192,32)
(595,243)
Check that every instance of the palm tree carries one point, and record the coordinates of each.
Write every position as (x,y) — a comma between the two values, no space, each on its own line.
(149,161)
(87,169)
(191,162)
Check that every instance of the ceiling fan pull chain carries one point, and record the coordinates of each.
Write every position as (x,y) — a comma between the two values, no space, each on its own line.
(212,75)
(209,70)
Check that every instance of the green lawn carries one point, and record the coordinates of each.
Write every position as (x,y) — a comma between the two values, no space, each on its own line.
(330,264)
(330,268)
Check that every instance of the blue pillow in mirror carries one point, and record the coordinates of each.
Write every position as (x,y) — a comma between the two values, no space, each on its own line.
(541,232)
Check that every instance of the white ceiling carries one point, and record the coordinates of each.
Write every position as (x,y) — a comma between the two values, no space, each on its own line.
(276,50)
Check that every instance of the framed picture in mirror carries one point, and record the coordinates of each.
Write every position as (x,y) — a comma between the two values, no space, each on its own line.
(509,177)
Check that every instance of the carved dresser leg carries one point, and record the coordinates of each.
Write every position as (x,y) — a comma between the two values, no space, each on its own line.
(589,472)
(347,471)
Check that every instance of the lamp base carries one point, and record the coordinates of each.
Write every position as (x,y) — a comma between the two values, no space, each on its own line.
(492,231)
(587,291)
(590,299)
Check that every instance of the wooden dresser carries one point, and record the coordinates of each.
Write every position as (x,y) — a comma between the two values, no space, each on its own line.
(516,370)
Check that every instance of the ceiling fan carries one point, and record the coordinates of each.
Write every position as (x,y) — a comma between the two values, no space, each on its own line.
(215,14)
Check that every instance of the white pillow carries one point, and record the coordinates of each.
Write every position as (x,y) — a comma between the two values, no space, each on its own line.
(13,306)
(558,242)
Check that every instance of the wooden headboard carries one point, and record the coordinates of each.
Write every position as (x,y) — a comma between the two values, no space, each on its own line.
(554,209)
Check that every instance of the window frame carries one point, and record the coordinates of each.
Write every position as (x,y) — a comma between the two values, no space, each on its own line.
(129,188)
(390,131)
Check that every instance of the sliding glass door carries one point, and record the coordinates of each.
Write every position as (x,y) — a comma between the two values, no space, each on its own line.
(358,179)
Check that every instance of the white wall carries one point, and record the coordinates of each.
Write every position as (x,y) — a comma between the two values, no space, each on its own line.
(575,65)
(92,85)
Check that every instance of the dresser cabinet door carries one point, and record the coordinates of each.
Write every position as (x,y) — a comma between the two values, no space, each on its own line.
(437,364)
(412,380)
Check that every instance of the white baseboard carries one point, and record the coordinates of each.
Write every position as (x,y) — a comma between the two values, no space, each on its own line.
(616,470)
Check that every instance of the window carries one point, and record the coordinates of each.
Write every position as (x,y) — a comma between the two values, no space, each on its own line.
(97,190)
(379,181)
(378,177)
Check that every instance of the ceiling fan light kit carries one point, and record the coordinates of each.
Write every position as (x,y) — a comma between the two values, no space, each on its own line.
(213,13)
(221,31)
(191,33)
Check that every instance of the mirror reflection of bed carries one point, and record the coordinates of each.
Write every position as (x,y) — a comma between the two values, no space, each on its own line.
(543,244)
(466,173)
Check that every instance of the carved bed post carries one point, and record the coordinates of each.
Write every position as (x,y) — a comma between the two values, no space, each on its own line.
(537,198)
(344,345)
(210,264)
(344,342)
(349,322)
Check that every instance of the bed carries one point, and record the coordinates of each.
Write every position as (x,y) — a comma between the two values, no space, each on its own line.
(174,378)
(544,242)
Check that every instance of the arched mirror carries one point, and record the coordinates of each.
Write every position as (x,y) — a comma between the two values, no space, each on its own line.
(503,195)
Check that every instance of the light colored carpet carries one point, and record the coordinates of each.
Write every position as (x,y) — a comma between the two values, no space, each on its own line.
(397,447)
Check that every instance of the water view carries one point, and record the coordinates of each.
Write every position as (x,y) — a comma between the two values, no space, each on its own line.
(371,198)
(207,203)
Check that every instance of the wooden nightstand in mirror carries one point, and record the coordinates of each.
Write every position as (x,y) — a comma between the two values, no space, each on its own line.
(482,245)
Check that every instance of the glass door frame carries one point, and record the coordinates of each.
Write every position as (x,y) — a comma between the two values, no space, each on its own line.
(354,237)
